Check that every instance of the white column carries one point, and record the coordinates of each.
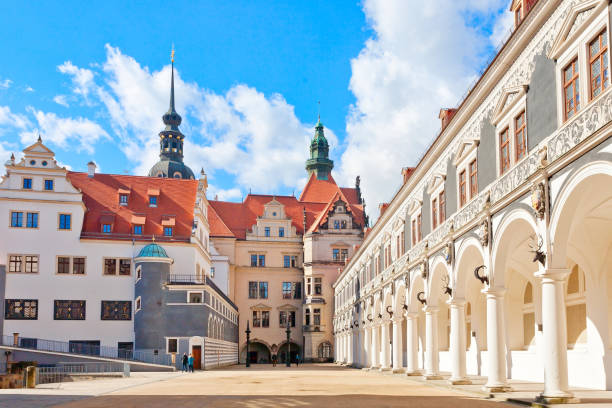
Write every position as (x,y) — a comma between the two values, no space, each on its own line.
(341,347)
(367,346)
(412,344)
(397,344)
(375,350)
(496,341)
(554,322)
(432,358)
(349,346)
(384,345)
(457,339)
(361,346)
(344,347)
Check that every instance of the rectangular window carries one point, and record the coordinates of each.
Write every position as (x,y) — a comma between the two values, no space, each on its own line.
(282,318)
(256,321)
(172,346)
(336,224)
(168,231)
(414,237)
(15,263)
(343,254)
(49,185)
(336,254)
(267,231)
(31,264)
(253,260)
(78,266)
(281,232)
(263,290)
(434,213)
(21,309)
(265,318)
(504,152)
(152,201)
(442,206)
(307,317)
(64,221)
(462,189)
(403,242)
(286,290)
(137,229)
(419,227)
(106,228)
(598,63)
(571,89)
(317,317)
(116,310)
(110,266)
(125,267)
(252,290)
(262,260)
(195,297)
(27,183)
(473,179)
(16,219)
(69,310)
(297,290)
(318,289)
(32,220)
(63,264)
(123,199)
(308,286)
(520,139)
(286,261)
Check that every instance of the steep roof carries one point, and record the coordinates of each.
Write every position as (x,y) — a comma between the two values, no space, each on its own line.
(175,203)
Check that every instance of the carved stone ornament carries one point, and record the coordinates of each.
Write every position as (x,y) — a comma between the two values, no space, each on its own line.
(538,200)
(447,252)
(543,157)
(483,232)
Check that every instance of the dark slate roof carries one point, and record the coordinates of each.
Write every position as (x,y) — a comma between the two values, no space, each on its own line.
(152,251)
(169,167)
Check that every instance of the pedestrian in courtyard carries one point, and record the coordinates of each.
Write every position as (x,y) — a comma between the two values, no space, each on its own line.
(185,361)
(273,360)
(190,363)
(297,360)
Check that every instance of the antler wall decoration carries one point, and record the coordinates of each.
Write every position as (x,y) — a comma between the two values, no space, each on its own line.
(389,311)
(423,301)
(538,254)
(446,287)
(482,279)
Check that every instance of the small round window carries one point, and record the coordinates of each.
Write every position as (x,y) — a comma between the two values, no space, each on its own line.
(32,162)
(44,163)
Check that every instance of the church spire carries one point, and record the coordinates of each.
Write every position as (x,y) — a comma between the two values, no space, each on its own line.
(171,118)
(319,161)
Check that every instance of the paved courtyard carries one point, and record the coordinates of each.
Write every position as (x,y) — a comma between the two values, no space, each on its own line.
(257,387)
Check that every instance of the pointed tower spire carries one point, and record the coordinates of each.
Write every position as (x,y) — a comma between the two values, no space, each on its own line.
(171,109)
(319,161)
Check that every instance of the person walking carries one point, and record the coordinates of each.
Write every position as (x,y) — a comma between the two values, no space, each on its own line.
(185,361)
(297,360)
(273,360)
(190,363)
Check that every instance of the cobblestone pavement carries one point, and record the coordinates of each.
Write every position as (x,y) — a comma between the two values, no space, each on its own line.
(317,386)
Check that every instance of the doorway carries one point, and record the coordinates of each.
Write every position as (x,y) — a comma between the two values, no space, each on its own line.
(196,351)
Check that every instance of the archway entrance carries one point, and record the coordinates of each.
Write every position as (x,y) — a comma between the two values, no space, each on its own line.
(259,353)
(294,351)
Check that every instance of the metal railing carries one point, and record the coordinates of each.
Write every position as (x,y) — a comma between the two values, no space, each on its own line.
(87,349)
(186,280)
(64,371)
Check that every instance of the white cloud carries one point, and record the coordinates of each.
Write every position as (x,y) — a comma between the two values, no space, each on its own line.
(29,89)
(5,84)
(82,79)
(61,100)
(231,194)
(422,58)
(12,120)
(78,134)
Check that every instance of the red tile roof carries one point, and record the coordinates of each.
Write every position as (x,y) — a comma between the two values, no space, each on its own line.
(176,198)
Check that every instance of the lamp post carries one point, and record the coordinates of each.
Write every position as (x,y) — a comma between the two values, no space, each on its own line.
(248,334)
(288,361)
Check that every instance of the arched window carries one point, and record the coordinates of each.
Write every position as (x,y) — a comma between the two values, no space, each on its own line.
(575,302)
(324,351)
(177,175)
(528,316)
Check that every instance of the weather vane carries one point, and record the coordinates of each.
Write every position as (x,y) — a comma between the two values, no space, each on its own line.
(172,55)
(319,109)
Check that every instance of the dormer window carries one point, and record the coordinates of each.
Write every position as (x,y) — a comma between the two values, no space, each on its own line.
(123,199)
(153,194)
(168,231)
(137,229)
(107,228)
(152,201)
(336,224)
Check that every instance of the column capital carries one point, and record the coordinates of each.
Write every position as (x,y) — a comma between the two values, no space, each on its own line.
(456,302)
(553,274)
(411,315)
(431,309)
(494,292)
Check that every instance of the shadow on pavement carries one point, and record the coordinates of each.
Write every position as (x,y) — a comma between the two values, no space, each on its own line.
(42,401)
(247,401)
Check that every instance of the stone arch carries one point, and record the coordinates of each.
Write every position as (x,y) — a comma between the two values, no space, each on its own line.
(438,272)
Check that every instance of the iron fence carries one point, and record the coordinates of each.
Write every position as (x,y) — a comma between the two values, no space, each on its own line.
(63,372)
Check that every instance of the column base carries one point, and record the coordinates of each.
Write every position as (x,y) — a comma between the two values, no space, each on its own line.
(382,369)
(557,399)
(496,388)
(413,373)
(398,371)
(429,377)
(459,381)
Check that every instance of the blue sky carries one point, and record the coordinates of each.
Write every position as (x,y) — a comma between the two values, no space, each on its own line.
(92,78)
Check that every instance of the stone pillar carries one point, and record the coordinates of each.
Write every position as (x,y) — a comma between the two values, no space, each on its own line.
(384,345)
(457,342)
(367,346)
(432,358)
(375,349)
(397,344)
(496,341)
(344,347)
(554,322)
(361,344)
(349,346)
(412,344)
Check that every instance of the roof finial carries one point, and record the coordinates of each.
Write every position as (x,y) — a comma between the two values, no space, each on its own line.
(39,138)
(172,83)
(172,54)
(153,237)
(319,110)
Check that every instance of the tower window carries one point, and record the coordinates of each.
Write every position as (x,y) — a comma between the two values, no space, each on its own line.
(167,231)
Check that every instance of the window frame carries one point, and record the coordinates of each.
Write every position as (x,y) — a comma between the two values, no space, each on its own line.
(504,165)
(605,82)
(6,309)
(30,183)
(59,221)
(52,184)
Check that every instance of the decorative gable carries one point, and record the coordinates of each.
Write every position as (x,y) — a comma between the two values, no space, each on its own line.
(579,16)
(507,101)
(467,145)
(435,180)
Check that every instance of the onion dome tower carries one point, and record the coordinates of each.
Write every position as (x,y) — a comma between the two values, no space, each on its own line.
(319,161)
(171,139)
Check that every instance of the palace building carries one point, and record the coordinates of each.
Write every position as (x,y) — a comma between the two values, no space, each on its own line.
(493,258)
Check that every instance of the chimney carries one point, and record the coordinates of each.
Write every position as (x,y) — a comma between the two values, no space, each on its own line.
(406,172)
(91,169)
(382,207)
(446,114)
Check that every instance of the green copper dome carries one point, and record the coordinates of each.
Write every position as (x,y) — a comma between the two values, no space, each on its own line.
(319,161)
(153,251)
